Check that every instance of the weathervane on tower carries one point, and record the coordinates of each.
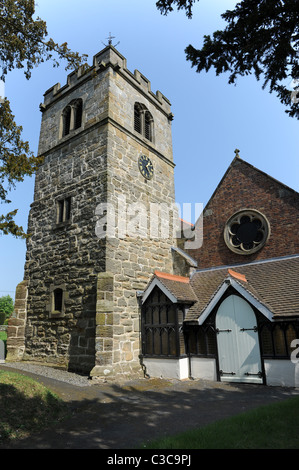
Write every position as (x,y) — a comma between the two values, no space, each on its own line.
(110,41)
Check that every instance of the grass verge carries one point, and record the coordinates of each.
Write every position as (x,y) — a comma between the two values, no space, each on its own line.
(274,426)
(26,406)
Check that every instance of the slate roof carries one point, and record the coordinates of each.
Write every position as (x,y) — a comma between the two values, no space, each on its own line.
(274,283)
(179,286)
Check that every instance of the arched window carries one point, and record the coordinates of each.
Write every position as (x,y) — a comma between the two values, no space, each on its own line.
(148,120)
(72,116)
(78,107)
(143,121)
(137,118)
(66,117)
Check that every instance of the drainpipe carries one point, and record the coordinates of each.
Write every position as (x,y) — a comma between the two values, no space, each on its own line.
(145,374)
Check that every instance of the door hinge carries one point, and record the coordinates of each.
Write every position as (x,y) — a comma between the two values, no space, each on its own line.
(226,373)
(259,374)
(248,329)
(220,331)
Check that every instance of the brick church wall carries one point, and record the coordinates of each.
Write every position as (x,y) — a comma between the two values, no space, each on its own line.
(245,187)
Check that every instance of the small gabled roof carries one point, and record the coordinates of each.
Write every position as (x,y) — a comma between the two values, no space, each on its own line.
(176,288)
(271,285)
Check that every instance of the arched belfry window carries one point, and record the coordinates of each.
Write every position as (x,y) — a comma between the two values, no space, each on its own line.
(78,114)
(72,117)
(66,116)
(143,121)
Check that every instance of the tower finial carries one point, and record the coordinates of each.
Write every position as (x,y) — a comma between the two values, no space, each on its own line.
(237,153)
(110,41)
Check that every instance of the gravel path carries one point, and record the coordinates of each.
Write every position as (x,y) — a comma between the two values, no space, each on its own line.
(51,373)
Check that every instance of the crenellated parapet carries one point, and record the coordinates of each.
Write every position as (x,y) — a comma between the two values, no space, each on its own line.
(103,60)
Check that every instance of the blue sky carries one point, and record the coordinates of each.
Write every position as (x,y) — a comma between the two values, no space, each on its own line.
(211,118)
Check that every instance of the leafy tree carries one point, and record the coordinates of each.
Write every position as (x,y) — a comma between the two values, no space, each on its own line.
(6,308)
(23,45)
(261,38)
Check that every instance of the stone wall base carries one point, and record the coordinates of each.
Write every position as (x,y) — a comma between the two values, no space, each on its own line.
(16,325)
(126,371)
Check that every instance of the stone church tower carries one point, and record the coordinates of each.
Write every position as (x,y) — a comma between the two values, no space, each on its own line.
(108,166)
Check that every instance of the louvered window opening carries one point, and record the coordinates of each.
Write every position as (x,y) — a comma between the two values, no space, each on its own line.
(72,117)
(147,126)
(78,114)
(66,121)
(137,121)
(143,121)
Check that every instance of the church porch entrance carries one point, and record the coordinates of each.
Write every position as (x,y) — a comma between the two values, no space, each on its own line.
(238,342)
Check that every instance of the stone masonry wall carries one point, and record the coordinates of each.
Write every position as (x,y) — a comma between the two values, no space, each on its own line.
(99,328)
(131,260)
(17,323)
(67,254)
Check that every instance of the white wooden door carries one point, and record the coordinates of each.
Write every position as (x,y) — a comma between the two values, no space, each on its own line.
(237,341)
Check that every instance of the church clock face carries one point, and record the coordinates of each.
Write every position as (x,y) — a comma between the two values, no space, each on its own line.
(146,167)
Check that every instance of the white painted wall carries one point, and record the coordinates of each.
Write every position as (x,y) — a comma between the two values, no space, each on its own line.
(282,372)
(203,368)
(279,372)
(167,368)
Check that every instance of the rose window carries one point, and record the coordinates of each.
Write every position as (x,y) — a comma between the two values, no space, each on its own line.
(246,232)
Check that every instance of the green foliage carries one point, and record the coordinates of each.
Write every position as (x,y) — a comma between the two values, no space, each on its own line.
(261,38)
(23,40)
(165,6)
(16,161)
(23,45)
(6,307)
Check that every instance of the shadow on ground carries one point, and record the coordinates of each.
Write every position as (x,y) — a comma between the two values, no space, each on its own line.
(124,416)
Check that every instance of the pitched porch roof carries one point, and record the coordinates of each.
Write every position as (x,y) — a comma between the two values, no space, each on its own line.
(272,285)
(176,288)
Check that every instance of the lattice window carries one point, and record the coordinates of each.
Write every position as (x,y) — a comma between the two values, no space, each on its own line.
(276,339)
(201,341)
(161,332)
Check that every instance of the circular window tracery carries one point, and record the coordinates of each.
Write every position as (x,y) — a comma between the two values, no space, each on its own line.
(246,232)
